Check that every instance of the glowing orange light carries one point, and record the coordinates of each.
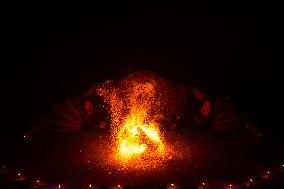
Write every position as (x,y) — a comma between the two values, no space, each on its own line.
(137,137)
(90,186)
(37,181)
(134,108)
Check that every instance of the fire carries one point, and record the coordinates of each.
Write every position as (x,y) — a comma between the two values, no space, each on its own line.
(135,105)
(137,138)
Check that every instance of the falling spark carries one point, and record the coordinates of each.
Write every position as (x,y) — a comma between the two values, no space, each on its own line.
(136,109)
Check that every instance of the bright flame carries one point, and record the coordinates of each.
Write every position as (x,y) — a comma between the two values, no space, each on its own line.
(137,106)
(137,138)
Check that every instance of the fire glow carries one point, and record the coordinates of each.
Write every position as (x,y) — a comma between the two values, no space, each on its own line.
(135,106)
(137,138)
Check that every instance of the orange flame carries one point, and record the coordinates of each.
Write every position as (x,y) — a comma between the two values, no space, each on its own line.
(135,106)
(137,137)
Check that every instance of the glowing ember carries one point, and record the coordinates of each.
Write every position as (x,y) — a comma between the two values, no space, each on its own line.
(137,138)
(137,106)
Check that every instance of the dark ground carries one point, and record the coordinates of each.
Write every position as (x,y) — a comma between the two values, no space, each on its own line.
(78,159)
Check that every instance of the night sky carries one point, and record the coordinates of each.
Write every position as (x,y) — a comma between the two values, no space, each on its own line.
(53,52)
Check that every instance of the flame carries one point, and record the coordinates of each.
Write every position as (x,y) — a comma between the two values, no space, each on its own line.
(135,105)
(137,138)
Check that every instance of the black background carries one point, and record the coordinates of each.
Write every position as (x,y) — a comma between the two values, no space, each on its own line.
(51,52)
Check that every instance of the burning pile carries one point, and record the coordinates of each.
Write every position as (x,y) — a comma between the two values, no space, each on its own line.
(139,107)
(139,137)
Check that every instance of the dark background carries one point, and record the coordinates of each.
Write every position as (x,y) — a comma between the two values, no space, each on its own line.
(53,52)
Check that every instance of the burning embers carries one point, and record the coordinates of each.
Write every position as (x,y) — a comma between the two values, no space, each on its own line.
(138,105)
(139,138)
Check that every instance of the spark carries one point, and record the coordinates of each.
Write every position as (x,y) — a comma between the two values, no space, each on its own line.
(135,108)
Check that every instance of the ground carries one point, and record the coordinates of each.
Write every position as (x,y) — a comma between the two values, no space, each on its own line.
(76,159)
